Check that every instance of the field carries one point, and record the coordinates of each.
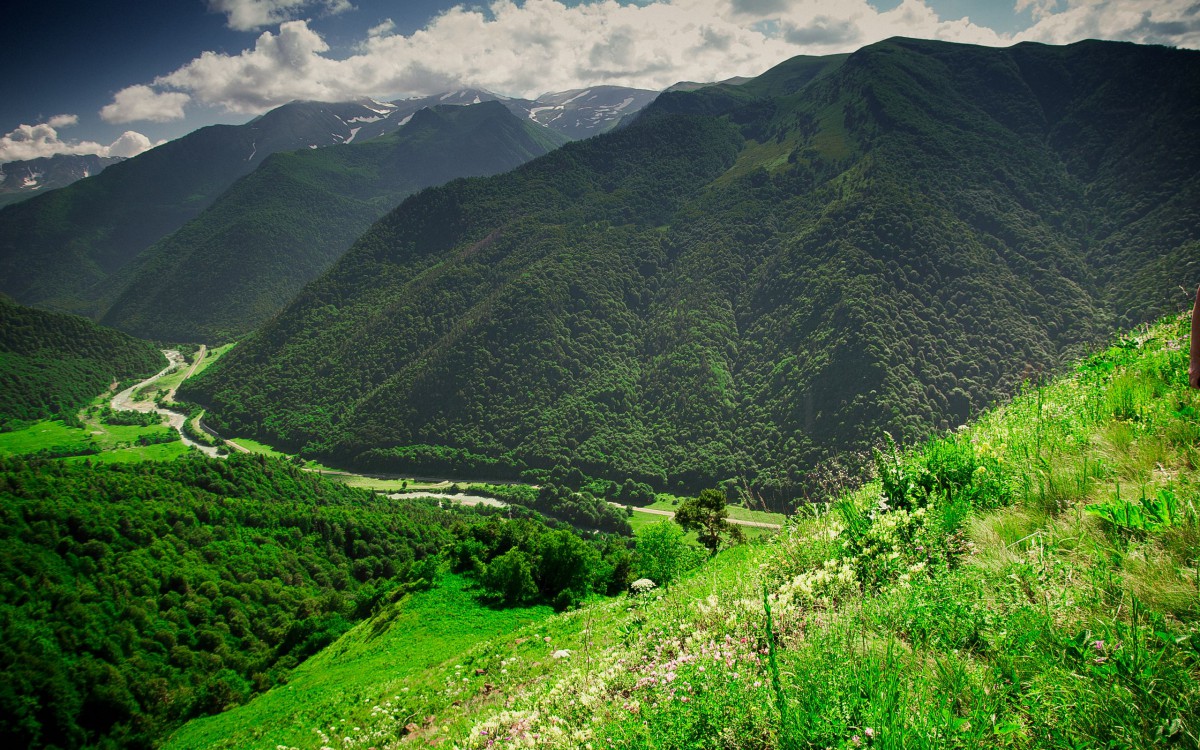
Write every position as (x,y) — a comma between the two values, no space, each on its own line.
(391,659)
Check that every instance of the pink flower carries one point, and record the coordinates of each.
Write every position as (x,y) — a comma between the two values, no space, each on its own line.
(869,732)
(1098,645)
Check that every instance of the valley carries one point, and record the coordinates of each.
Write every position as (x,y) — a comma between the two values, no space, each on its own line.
(844,405)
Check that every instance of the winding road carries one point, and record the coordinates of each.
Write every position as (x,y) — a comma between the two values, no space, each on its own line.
(123,401)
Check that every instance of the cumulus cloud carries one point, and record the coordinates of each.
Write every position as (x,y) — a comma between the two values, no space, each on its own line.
(526,48)
(35,141)
(144,103)
(1170,22)
(249,15)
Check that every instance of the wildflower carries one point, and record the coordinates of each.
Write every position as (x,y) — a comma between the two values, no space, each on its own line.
(869,732)
(855,740)
(642,585)
(1098,645)
(546,639)
(562,653)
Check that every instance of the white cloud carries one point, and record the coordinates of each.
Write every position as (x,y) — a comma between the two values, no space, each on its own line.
(144,103)
(131,143)
(526,48)
(248,15)
(383,28)
(63,121)
(1171,22)
(35,141)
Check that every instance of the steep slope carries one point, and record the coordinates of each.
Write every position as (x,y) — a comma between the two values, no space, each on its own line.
(244,258)
(51,364)
(24,179)
(751,280)
(55,249)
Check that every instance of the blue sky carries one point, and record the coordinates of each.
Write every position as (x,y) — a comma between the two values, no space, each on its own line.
(117,77)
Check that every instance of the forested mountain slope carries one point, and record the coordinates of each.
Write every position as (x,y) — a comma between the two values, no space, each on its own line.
(52,364)
(56,248)
(752,279)
(243,259)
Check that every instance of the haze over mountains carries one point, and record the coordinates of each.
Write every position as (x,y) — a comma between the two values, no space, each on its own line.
(750,279)
(62,249)
(24,179)
(246,256)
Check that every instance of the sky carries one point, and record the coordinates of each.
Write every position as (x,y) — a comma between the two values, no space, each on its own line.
(116,78)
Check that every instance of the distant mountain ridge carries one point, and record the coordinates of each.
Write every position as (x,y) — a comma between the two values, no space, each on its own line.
(245,257)
(60,249)
(24,179)
(752,279)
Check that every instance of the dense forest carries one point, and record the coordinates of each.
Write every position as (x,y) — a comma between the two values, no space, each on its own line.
(750,282)
(244,258)
(135,597)
(53,364)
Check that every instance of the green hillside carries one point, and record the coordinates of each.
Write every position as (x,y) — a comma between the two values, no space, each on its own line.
(1030,581)
(135,597)
(53,364)
(240,261)
(750,281)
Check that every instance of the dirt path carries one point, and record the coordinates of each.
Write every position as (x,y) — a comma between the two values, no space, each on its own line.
(191,371)
(123,401)
(459,498)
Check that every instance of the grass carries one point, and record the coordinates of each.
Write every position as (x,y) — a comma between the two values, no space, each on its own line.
(212,355)
(133,454)
(391,659)
(46,435)
(1002,594)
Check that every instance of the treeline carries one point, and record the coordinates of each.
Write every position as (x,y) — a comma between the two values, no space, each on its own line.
(53,364)
(135,597)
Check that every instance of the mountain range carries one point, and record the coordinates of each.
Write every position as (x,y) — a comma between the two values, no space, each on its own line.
(24,179)
(62,249)
(243,258)
(751,282)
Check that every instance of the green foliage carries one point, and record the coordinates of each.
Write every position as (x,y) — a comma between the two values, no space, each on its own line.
(509,578)
(130,418)
(707,515)
(522,561)
(52,364)
(663,553)
(1149,514)
(751,282)
(138,596)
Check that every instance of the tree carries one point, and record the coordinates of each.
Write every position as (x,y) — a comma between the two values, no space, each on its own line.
(708,517)
(663,553)
(510,578)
